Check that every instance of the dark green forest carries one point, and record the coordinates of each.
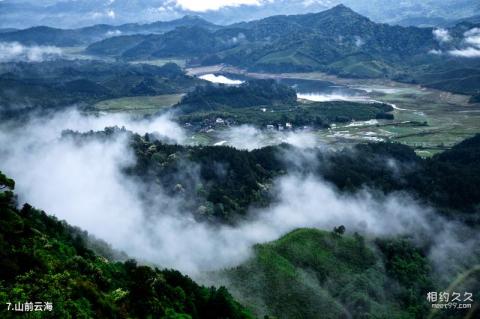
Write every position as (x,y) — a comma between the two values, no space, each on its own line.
(233,180)
(309,273)
(268,102)
(51,86)
(346,274)
(251,93)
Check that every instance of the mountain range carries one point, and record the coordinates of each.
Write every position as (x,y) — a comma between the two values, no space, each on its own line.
(71,13)
(44,35)
(338,41)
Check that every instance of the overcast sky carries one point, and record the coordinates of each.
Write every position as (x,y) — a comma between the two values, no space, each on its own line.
(77,13)
(204,5)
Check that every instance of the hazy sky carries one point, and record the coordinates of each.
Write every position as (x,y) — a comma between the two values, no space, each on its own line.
(76,13)
(195,5)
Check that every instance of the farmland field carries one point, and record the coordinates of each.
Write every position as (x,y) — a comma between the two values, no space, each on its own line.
(428,120)
(141,105)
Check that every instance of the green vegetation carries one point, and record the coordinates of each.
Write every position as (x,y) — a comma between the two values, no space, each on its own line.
(316,274)
(43,259)
(139,104)
(447,180)
(300,275)
(219,184)
(319,115)
(216,184)
(266,102)
(58,84)
(251,93)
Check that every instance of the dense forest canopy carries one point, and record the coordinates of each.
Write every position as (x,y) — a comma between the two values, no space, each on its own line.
(251,93)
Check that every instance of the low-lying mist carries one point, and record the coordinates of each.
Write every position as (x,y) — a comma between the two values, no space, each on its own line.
(327,97)
(84,184)
(220,79)
(16,52)
(249,137)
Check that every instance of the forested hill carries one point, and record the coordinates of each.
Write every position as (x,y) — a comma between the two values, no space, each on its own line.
(229,182)
(308,271)
(250,93)
(53,85)
(46,260)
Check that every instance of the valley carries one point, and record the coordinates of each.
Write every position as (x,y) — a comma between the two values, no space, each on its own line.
(426,119)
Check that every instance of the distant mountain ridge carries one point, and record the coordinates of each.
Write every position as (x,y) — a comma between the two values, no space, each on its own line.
(43,35)
(74,14)
(285,43)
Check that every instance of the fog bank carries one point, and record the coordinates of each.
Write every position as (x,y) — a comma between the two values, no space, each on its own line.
(247,137)
(16,52)
(83,183)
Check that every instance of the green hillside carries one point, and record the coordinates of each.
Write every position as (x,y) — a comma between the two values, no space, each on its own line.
(310,273)
(43,35)
(43,259)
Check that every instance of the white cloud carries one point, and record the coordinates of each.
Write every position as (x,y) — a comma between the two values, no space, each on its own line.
(84,184)
(472,39)
(435,52)
(466,53)
(202,6)
(111,14)
(220,79)
(316,97)
(359,42)
(14,51)
(113,33)
(474,31)
(442,35)
(246,137)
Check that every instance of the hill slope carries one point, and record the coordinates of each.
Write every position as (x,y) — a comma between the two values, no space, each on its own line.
(43,259)
(315,274)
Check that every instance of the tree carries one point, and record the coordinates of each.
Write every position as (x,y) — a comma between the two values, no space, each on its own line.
(340,230)
(6,182)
